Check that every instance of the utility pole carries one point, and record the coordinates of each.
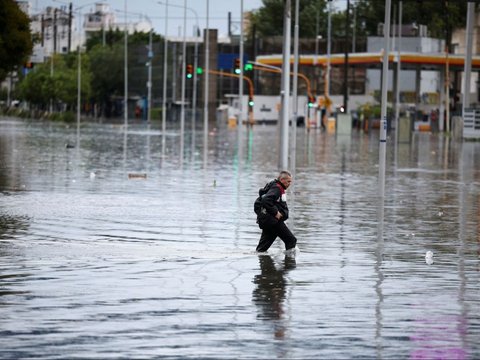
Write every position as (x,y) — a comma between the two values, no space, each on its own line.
(69,26)
(285,90)
(345,65)
(383,122)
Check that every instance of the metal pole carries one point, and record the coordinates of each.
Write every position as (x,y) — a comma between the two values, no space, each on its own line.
(9,89)
(468,59)
(315,60)
(345,65)
(165,65)
(149,85)
(329,48)
(184,60)
(79,83)
(399,69)
(285,90)
(125,97)
(206,89)
(240,79)
(354,32)
(195,80)
(383,126)
(295,88)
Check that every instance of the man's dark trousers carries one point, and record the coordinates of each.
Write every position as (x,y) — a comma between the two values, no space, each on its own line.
(270,233)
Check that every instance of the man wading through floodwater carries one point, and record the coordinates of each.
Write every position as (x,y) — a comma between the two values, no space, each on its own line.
(272,211)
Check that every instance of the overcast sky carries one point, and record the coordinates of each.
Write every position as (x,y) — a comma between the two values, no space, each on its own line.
(218,14)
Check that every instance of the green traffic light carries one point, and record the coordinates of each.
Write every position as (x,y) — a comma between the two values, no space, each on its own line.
(250,103)
(237,71)
(310,104)
(189,76)
(199,71)
(248,67)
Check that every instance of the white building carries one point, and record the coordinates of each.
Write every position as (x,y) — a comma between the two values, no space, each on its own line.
(430,80)
(58,29)
(103,19)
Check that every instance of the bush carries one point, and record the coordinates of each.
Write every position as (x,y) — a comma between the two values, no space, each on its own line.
(156,113)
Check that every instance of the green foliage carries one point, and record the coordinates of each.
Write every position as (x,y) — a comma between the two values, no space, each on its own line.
(440,16)
(117,37)
(107,69)
(57,82)
(269,18)
(156,113)
(15,38)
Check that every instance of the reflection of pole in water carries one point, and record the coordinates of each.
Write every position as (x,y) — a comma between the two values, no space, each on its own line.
(250,144)
(269,295)
(379,282)
(147,167)
(465,167)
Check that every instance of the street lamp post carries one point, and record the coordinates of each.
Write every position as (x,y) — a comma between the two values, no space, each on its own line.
(149,85)
(165,64)
(149,65)
(125,97)
(285,90)
(79,66)
(195,64)
(205,104)
(240,79)
(295,88)
(182,105)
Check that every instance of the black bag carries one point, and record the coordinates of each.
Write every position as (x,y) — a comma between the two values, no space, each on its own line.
(257,205)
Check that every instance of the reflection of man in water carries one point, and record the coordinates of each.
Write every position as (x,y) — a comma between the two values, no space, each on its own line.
(269,294)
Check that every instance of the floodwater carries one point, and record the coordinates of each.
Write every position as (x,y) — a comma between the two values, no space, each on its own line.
(109,251)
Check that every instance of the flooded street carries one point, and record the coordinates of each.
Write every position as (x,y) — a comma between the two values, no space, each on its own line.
(109,251)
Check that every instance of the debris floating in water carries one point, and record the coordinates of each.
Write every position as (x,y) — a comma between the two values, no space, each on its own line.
(137,176)
(429,257)
(92,175)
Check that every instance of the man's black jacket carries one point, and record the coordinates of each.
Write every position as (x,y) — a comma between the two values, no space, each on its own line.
(269,202)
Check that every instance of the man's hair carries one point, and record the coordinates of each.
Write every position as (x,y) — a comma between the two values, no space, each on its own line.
(283,174)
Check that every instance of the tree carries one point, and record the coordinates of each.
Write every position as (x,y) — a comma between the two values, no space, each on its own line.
(107,69)
(39,87)
(268,20)
(440,16)
(15,38)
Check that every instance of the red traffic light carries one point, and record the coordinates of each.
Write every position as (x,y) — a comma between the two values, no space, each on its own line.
(189,71)
(236,65)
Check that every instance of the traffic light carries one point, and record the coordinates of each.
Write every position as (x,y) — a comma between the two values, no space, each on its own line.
(311,100)
(248,67)
(236,66)
(189,71)
(250,101)
(199,71)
